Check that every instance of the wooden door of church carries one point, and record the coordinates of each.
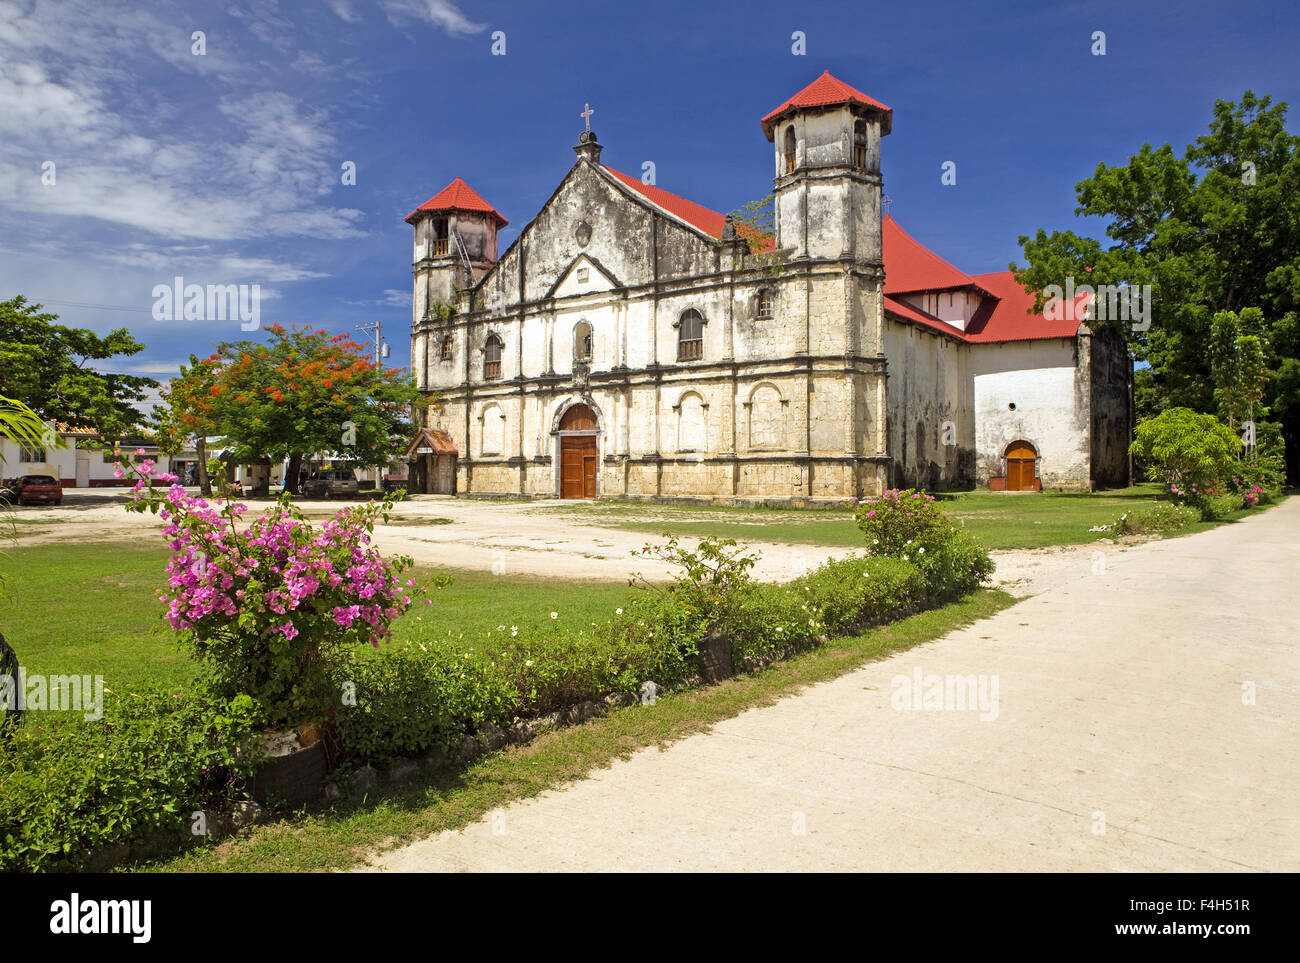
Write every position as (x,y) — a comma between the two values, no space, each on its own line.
(1021,459)
(578,456)
(578,467)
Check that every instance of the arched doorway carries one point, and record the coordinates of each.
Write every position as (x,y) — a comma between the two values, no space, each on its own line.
(1021,459)
(578,431)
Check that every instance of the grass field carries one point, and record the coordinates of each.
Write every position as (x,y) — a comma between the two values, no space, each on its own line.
(92,608)
(1000,520)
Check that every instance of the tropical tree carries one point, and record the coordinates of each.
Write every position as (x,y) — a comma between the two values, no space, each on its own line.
(306,391)
(47,367)
(1186,450)
(188,411)
(1216,229)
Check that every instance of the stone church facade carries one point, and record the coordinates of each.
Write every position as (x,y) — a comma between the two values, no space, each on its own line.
(630,343)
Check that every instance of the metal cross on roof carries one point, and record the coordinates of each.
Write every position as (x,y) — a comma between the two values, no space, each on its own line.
(887,201)
(586,115)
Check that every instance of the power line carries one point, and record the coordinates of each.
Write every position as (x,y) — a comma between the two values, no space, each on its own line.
(83,304)
(120,307)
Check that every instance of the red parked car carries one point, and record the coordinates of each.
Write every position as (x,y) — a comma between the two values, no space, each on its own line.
(33,489)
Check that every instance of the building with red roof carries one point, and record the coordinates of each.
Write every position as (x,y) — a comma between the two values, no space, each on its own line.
(631,342)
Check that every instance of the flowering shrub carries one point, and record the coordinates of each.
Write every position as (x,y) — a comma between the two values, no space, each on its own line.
(897,519)
(908,525)
(714,577)
(273,605)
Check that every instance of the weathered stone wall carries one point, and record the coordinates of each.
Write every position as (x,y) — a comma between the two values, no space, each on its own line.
(931,420)
(826,208)
(1111,375)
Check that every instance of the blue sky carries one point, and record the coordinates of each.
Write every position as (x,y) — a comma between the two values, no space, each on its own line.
(225,168)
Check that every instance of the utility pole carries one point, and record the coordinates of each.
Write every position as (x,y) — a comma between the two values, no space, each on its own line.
(376,330)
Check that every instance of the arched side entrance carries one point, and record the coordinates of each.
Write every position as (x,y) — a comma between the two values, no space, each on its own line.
(1021,460)
(578,431)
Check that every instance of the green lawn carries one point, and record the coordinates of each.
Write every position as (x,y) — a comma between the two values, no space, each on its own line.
(1000,520)
(93,608)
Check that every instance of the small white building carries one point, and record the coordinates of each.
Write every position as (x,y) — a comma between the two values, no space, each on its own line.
(81,461)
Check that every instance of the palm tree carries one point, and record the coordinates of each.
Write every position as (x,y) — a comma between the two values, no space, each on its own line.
(21,425)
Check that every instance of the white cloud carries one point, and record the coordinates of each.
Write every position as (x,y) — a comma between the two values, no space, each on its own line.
(343,10)
(439,13)
(78,89)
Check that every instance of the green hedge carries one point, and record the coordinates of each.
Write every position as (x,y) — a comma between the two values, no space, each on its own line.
(1162,517)
(432,694)
(69,787)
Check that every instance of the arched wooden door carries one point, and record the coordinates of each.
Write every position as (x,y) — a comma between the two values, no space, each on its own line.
(1021,458)
(578,429)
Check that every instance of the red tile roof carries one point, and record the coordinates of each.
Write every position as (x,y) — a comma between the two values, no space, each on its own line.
(910,267)
(826,91)
(458,196)
(710,222)
(1013,317)
(698,216)
(1005,315)
(434,438)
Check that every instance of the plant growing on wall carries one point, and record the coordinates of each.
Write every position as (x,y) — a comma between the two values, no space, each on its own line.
(755,224)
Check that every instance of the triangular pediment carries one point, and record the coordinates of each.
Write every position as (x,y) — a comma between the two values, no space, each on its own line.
(584,275)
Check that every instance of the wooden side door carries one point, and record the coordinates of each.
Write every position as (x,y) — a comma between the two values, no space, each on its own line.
(446,474)
(1021,459)
(589,472)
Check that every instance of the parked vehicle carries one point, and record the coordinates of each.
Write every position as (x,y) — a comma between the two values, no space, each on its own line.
(397,477)
(35,489)
(331,483)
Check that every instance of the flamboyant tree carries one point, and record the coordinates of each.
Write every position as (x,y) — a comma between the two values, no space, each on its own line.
(188,410)
(306,391)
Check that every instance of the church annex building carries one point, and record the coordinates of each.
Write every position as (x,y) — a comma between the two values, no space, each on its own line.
(630,344)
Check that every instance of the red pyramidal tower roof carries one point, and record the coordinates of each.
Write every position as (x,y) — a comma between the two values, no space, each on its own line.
(826,91)
(458,196)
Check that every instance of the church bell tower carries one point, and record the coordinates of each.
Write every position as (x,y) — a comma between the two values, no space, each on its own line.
(827,192)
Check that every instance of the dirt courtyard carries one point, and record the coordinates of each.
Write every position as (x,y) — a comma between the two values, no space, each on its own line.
(513,538)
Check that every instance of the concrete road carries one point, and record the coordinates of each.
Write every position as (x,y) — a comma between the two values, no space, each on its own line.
(1141,714)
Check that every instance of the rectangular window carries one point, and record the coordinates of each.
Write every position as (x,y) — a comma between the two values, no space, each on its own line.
(34,455)
(765,304)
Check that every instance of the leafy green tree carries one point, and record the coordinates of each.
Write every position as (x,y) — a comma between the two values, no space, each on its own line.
(306,391)
(1186,450)
(46,366)
(1216,229)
